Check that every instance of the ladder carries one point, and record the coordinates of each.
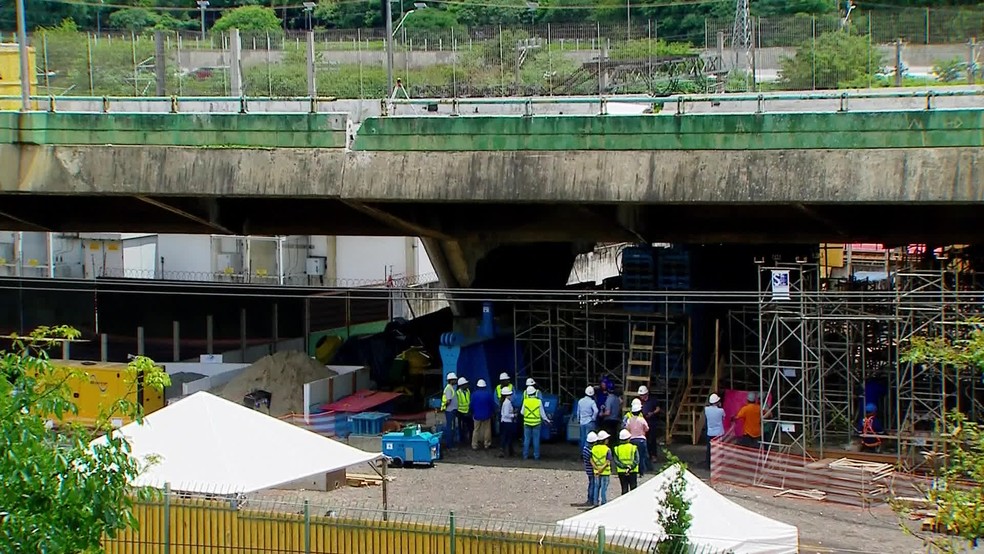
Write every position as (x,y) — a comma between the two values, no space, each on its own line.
(639,365)
(689,418)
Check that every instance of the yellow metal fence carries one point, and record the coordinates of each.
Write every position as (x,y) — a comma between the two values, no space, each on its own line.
(172,525)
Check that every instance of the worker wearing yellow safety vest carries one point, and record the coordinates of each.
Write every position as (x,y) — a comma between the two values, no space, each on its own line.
(464,411)
(627,462)
(601,463)
(449,405)
(533,417)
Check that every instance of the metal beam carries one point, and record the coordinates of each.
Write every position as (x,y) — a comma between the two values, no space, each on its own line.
(24,221)
(397,222)
(187,215)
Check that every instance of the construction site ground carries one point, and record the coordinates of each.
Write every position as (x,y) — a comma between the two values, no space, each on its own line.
(480,484)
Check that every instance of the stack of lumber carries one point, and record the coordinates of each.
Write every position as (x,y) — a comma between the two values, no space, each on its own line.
(365,479)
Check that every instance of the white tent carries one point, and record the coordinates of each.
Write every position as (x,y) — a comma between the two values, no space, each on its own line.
(204,443)
(718,523)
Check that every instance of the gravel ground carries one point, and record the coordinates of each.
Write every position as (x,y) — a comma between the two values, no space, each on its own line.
(480,484)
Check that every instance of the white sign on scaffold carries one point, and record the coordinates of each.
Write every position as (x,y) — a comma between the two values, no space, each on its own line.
(780,284)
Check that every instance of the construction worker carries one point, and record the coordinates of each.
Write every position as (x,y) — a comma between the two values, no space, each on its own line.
(751,422)
(869,429)
(589,441)
(714,416)
(507,422)
(638,428)
(627,456)
(611,412)
(504,381)
(449,405)
(483,408)
(601,464)
(533,417)
(531,383)
(587,413)
(464,411)
(653,412)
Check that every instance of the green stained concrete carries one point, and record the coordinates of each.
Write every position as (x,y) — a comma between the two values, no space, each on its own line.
(770,131)
(267,130)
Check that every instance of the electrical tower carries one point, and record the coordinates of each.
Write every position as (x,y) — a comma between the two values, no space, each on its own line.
(741,36)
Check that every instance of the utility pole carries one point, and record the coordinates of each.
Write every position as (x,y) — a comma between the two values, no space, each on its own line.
(741,35)
(308,8)
(202,4)
(388,16)
(25,70)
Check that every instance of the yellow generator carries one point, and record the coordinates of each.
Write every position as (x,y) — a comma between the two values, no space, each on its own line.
(103,384)
(10,83)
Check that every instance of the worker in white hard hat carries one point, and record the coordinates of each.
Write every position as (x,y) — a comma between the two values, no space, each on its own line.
(507,422)
(534,416)
(587,414)
(532,383)
(637,426)
(714,416)
(483,408)
(589,441)
(464,411)
(449,405)
(653,412)
(627,460)
(504,381)
(601,464)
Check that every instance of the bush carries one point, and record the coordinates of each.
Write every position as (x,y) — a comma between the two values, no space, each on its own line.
(248,19)
(948,71)
(834,60)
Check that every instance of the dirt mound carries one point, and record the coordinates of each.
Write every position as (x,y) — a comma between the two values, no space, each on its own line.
(282,375)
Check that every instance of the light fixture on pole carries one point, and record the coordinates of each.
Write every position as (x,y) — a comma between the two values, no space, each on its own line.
(25,70)
(202,4)
(308,8)
(416,6)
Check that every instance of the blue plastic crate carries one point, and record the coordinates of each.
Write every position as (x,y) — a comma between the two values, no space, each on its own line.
(368,423)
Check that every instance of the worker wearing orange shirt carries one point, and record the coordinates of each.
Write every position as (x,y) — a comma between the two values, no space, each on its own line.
(751,422)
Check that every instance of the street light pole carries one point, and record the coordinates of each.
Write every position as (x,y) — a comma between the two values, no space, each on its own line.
(308,8)
(25,70)
(388,15)
(202,4)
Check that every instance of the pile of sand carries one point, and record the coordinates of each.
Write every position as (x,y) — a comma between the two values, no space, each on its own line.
(282,375)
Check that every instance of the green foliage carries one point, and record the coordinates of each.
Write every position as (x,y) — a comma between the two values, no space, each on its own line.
(948,71)
(964,351)
(673,512)
(492,12)
(59,495)
(342,14)
(644,48)
(133,19)
(249,19)
(833,60)
(431,20)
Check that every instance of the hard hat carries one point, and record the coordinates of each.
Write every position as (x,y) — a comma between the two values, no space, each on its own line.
(870,408)
(751,397)
(624,434)
(452,376)
(503,376)
(531,391)
(589,390)
(636,405)
(462,381)
(481,383)
(530,382)
(643,390)
(602,435)
(506,391)
(592,437)
(714,399)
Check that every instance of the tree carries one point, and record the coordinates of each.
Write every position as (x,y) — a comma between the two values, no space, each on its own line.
(252,19)
(431,19)
(59,496)
(836,59)
(133,19)
(958,491)
(673,508)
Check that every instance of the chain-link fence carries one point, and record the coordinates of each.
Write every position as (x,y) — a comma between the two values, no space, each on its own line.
(793,53)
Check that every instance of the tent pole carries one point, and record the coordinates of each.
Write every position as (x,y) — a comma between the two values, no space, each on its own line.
(385,495)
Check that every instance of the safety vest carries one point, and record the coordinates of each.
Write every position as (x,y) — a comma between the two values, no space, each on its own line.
(531,411)
(868,428)
(599,458)
(498,394)
(464,401)
(444,397)
(625,453)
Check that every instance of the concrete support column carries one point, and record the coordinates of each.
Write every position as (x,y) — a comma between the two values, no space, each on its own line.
(50,243)
(176,341)
(66,350)
(209,334)
(235,64)
(104,347)
(331,265)
(160,63)
(140,341)
(312,87)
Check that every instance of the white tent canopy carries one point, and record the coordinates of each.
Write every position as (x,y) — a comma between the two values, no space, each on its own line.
(718,523)
(204,443)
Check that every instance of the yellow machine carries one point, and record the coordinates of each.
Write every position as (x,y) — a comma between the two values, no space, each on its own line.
(104,384)
(10,83)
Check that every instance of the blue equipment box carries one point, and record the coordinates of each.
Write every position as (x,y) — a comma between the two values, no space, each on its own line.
(368,423)
(418,448)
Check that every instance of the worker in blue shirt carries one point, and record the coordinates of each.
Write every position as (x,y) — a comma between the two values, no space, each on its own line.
(587,414)
(483,408)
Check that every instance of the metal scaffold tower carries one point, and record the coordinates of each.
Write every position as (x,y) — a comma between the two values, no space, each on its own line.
(790,358)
